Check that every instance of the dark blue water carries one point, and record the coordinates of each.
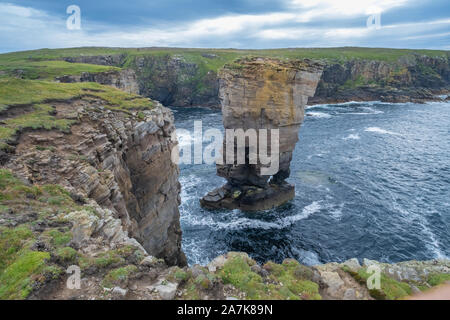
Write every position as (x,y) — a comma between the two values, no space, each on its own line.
(372,181)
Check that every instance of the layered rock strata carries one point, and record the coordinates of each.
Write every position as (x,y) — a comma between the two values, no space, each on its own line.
(176,80)
(124,80)
(262,93)
(120,160)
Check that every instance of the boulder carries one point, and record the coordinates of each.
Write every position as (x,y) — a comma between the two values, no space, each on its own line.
(117,291)
(167,290)
(352,264)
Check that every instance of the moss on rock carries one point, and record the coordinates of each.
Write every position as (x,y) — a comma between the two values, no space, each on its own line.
(119,276)
(285,281)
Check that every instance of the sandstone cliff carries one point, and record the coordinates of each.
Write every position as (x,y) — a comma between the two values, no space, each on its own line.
(175,81)
(410,79)
(124,80)
(190,78)
(262,93)
(104,151)
(104,60)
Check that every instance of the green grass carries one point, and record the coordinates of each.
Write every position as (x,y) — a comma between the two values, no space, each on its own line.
(288,280)
(46,64)
(111,258)
(438,278)
(53,54)
(14,192)
(21,267)
(40,118)
(67,254)
(7,179)
(238,273)
(48,70)
(179,275)
(390,289)
(118,276)
(351,84)
(11,242)
(59,238)
(16,93)
(16,279)
(339,53)
(26,92)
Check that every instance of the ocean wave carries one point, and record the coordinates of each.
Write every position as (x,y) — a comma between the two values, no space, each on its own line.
(349,103)
(336,212)
(381,131)
(352,137)
(239,223)
(308,258)
(368,110)
(318,115)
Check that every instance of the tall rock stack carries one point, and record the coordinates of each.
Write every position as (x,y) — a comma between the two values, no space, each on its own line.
(262,93)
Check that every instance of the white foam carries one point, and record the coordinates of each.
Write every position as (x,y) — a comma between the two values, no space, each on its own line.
(238,223)
(352,137)
(319,115)
(189,190)
(336,213)
(349,103)
(350,159)
(372,110)
(308,258)
(380,131)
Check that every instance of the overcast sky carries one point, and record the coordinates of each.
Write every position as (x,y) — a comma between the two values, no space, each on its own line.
(33,24)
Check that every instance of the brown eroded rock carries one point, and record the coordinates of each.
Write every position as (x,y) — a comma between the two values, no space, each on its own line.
(124,80)
(120,160)
(262,93)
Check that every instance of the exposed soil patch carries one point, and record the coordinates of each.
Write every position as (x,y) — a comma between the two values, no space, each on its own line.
(15,111)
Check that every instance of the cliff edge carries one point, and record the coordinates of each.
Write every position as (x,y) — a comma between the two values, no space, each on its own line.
(102,144)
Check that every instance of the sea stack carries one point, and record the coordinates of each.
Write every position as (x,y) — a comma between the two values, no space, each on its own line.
(262,93)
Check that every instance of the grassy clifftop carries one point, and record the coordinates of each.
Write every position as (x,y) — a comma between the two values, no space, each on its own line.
(48,64)
(183,76)
(27,104)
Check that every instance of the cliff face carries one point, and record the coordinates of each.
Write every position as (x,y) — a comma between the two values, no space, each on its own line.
(175,82)
(262,93)
(121,161)
(116,60)
(124,80)
(415,79)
